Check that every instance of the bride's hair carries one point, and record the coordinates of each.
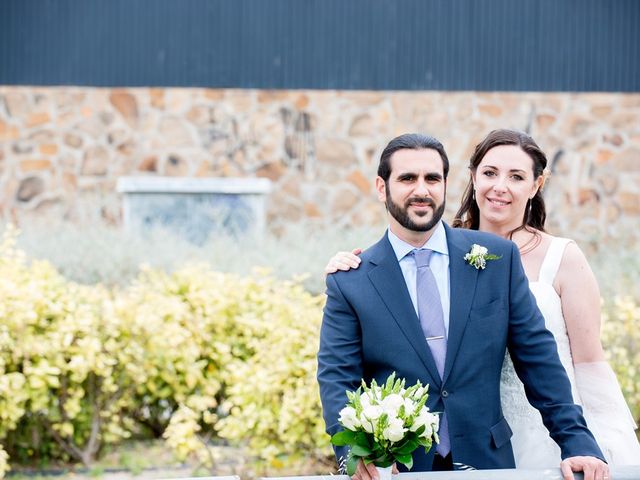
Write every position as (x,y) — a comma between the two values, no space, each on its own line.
(535,214)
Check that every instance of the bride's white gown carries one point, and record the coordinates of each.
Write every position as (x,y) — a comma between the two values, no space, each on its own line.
(605,409)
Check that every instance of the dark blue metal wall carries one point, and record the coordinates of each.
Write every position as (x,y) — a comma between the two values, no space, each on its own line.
(517,45)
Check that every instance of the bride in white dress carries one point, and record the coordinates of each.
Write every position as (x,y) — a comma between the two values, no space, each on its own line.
(594,386)
(504,197)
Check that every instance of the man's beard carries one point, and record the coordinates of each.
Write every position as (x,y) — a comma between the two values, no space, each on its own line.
(402,214)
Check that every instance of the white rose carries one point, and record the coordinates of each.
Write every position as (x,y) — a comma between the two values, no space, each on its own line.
(349,419)
(368,425)
(424,419)
(432,425)
(409,407)
(478,250)
(372,412)
(391,403)
(394,431)
(435,422)
(428,431)
(367,399)
(376,394)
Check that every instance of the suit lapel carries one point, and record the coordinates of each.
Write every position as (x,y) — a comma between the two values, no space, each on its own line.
(462,284)
(386,276)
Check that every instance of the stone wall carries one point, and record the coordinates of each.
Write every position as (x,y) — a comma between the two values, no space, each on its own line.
(63,149)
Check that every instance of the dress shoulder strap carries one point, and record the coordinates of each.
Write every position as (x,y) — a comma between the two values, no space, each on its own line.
(552,259)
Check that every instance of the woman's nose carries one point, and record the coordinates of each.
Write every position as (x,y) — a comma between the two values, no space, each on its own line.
(499,185)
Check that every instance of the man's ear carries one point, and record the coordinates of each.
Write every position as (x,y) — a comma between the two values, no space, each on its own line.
(381,188)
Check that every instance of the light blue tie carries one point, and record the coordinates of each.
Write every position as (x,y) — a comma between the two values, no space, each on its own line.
(432,323)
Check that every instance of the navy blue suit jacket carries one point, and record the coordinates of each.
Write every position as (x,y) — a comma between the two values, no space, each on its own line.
(370,329)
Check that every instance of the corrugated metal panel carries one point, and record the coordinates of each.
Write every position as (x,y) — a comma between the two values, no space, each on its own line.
(526,45)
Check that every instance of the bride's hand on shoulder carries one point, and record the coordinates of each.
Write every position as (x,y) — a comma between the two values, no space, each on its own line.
(343,261)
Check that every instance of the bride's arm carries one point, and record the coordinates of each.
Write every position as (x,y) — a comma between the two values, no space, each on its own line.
(605,408)
(580,296)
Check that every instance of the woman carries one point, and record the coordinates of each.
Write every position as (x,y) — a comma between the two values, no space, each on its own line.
(504,197)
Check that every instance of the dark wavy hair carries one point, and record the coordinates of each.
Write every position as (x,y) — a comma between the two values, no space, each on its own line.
(535,213)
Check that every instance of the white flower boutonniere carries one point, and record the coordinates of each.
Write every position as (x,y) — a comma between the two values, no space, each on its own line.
(479,255)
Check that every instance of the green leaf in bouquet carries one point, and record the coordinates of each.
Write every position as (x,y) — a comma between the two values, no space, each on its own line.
(357,404)
(350,395)
(362,438)
(421,403)
(398,446)
(390,382)
(412,389)
(382,422)
(398,386)
(420,430)
(378,452)
(406,460)
(352,463)
(426,443)
(344,437)
(360,450)
(406,448)
(374,384)
(384,460)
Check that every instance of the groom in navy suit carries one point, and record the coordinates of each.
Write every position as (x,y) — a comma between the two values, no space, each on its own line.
(374,324)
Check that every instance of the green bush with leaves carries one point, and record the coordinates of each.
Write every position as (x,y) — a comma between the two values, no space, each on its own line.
(621,339)
(272,398)
(189,355)
(265,333)
(59,367)
(82,366)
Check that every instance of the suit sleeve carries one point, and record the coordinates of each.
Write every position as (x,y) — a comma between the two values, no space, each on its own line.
(339,357)
(535,357)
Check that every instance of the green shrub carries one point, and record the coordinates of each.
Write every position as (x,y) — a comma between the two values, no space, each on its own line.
(188,354)
(82,366)
(621,339)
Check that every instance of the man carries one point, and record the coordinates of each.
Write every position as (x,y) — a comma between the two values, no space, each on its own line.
(417,307)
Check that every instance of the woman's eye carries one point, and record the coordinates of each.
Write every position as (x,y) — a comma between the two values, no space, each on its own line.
(518,177)
(489,173)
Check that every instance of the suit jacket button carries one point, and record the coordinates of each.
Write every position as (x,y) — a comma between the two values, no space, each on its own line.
(445,393)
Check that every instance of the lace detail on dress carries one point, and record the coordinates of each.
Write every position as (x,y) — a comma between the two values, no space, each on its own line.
(605,410)
(532,445)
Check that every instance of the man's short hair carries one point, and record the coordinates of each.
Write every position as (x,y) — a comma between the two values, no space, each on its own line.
(410,141)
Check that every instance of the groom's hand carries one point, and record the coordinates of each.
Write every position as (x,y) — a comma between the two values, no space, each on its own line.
(592,467)
(369,472)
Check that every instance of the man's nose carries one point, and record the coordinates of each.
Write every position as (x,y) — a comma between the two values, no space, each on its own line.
(422,187)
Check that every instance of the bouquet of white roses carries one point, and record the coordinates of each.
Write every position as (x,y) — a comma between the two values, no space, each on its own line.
(385,424)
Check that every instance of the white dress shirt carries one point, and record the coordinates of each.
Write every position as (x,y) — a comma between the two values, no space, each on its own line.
(438,263)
